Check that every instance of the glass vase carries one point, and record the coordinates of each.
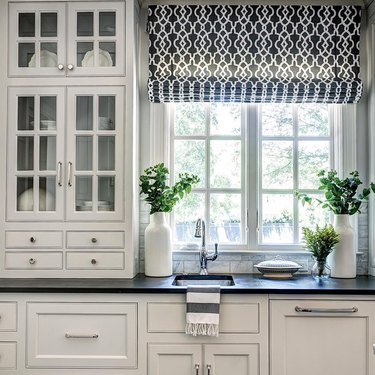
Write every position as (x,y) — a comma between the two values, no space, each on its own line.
(320,270)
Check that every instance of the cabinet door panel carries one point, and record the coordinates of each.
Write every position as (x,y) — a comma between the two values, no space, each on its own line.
(239,359)
(339,343)
(95,154)
(37,32)
(168,359)
(35,153)
(96,38)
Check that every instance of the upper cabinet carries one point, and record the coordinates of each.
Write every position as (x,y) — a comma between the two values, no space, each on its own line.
(67,39)
(66,155)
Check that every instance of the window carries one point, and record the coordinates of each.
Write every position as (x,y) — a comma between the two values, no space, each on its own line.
(250,159)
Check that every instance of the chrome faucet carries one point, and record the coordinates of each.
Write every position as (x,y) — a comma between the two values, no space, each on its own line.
(204,257)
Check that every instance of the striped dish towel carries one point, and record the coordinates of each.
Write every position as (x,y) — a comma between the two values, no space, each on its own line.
(202,310)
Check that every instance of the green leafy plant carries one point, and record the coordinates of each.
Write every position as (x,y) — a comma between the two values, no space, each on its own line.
(160,196)
(320,242)
(341,196)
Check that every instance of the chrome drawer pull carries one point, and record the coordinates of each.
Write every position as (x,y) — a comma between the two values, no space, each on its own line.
(197,369)
(326,311)
(32,261)
(373,348)
(71,336)
(208,369)
(70,177)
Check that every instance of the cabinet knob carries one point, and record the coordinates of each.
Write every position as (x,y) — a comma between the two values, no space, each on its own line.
(70,66)
(60,66)
(93,261)
(94,240)
(32,261)
(32,239)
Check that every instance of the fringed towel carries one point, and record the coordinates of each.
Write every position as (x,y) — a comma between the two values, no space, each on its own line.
(202,310)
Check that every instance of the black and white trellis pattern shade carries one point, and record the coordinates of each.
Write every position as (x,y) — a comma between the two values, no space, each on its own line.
(254,53)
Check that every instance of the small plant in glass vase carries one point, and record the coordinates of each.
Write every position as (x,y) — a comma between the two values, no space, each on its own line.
(320,243)
(342,197)
(162,198)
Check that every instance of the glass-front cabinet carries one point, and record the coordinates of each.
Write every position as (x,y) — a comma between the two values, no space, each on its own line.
(61,39)
(73,156)
(96,153)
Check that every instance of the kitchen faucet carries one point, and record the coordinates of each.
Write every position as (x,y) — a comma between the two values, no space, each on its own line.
(200,232)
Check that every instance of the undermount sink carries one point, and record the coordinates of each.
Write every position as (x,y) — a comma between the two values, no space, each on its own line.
(222,280)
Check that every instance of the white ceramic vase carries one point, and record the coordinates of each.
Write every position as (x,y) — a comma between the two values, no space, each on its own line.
(343,260)
(158,246)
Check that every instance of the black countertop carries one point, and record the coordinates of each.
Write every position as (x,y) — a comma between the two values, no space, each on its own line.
(244,284)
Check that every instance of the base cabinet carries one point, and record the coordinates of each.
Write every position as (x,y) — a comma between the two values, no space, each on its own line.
(218,359)
(317,336)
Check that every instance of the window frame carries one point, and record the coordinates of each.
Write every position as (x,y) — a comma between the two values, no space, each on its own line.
(343,156)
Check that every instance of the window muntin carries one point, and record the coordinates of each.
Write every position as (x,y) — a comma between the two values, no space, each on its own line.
(219,143)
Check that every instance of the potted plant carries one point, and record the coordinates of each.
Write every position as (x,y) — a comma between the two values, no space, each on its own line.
(320,243)
(162,198)
(343,198)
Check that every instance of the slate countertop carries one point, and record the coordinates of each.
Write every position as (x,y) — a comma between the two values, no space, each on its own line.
(244,284)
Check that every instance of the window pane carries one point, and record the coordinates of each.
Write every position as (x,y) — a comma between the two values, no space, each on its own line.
(48,113)
(313,120)
(225,164)
(48,24)
(312,157)
(48,55)
(225,215)
(85,54)
(107,113)
(107,23)
(47,153)
(107,54)
(189,119)
(47,193)
(26,25)
(106,154)
(277,120)
(189,157)
(277,165)
(84,113)
(25,194)
(225,119)
(25,153)
(25,113)
(84,193)
(277,218)
(312,215)
(26,55)
(85,24)
(84,153)
(106,193)
(186,214)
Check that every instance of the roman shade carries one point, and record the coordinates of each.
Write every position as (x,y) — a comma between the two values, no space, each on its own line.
(254,53)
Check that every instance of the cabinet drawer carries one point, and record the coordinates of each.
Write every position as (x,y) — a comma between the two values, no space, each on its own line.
(38,260)
(33,239)
(95,260)
(81,335)
(234,317)
(95,239)
(8,316)
(8,355)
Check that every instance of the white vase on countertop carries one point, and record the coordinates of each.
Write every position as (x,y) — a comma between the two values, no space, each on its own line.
(158,246)
(342,260)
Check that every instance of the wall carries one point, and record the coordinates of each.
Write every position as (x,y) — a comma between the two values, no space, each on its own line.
(154,149)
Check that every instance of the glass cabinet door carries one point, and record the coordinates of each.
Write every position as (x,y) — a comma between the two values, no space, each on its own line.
(37,37)
(95,153)
(96,35)
(35,154)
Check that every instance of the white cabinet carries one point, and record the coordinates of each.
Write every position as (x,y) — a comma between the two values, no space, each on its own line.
(73,38)
(210,359)
(81,335)
(74,154)
(241,347)
(70,139)
(322,336)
